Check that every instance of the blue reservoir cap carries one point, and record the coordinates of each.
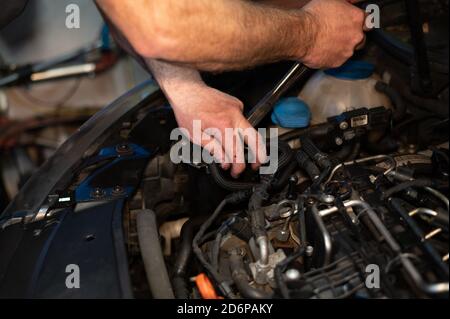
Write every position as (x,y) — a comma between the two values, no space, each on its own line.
(353,70)
(291,113)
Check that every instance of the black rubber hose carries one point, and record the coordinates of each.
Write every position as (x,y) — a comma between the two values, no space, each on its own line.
(152,255)
(241,228)
(346,153)
(255,212)
(395,97)
(320,158)
(230,199)
(282,178)
(215,251)
(308,165)
(323,175)
(241,279)
(397,49)
(196,242)
(342,154)
(403,186)
(356,150)
(403,51)
(285,157)
(313,132)
(183,256)
(434,106)
(185,250)
(230,185)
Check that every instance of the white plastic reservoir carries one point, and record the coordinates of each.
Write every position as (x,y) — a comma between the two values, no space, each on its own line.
(332,92)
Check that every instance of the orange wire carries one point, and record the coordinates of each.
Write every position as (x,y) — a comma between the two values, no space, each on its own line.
(205,287)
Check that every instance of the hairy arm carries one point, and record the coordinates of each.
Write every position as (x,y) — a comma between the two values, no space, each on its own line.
(233,41)
(212,35)
(287,4)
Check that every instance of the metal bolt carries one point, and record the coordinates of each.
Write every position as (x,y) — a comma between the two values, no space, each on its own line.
(118,190)
(412,149)
(292,274)
(283,235)
(327,199)
(98,193)
(339,141)
(309,251)
(343,126)
(124,149)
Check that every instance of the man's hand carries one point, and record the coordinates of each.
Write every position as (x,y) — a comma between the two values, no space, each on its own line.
(337,28)
(192,100)
(217,112)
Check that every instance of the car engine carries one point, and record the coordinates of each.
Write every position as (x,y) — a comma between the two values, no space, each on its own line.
(358,207)
(318,228)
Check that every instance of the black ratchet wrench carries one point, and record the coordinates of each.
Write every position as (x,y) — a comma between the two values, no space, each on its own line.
(259,112)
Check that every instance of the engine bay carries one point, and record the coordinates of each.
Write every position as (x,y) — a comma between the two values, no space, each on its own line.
(357,208)
(318,228)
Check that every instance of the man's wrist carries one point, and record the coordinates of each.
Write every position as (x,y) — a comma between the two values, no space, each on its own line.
(172,78)
(305,34)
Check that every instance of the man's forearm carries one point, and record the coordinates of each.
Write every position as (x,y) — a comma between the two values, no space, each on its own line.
(286,4)
(211,35)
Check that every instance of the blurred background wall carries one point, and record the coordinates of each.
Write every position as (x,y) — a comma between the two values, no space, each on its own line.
(40,34)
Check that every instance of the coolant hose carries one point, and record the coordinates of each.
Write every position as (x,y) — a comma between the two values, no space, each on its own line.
(183,256)
(312,132)
(152,255)
(285,157)
(230,185)
(241,279)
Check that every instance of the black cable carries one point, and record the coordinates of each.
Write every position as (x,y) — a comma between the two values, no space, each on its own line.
(404,186)
(230,199)
(215,251)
